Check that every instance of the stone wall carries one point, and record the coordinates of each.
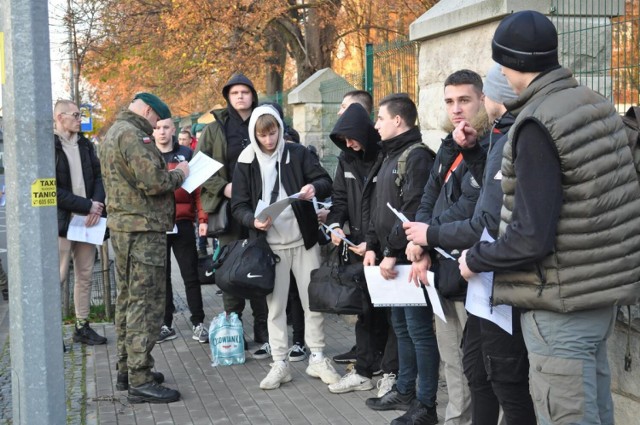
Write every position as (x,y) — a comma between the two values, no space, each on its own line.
(456,34)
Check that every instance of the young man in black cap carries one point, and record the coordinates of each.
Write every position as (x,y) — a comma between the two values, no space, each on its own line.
(569,245)
(223,140)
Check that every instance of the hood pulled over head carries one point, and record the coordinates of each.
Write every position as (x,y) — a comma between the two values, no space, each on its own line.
(355,124)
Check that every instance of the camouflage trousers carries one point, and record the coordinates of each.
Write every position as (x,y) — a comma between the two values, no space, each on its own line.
(140,276)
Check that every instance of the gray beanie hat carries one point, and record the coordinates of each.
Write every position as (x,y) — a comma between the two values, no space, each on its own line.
(496,87)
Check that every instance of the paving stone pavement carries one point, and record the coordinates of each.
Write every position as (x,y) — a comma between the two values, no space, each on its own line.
(222,395)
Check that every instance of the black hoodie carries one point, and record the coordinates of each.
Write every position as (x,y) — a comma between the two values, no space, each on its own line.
(236,129)
(354,182)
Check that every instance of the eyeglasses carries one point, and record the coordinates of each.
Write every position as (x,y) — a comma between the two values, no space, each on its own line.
(75,115)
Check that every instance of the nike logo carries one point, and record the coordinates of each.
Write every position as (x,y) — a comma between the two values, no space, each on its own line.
(207,274)
(250,276)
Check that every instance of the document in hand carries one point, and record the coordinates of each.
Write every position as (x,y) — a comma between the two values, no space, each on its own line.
(79,232)
(274,210)
(397,292)
(201,167)
(478,300)
(333,232)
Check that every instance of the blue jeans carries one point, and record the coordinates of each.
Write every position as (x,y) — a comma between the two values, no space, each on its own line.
(570,377)
(418,355)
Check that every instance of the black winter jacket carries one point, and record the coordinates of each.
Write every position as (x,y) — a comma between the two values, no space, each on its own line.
(299,167)
(355,180)
(485,168)
(446,202)
(69,203)
(385,234)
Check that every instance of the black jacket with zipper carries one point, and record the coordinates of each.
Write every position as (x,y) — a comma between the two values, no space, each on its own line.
(355,179)
(69,203)
(298,168)
(385,234)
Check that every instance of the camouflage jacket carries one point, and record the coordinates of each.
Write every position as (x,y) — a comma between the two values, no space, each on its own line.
(138,184)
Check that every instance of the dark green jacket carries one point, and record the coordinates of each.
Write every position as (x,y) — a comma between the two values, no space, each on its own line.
(213,143)
(138,184)
(596,258)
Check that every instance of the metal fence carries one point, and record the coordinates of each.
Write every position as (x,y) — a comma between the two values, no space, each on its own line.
(604,45)
(390,68)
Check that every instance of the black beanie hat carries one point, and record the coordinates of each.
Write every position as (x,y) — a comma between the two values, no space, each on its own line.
(526,41)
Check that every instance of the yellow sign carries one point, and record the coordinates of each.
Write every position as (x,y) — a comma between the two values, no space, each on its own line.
(43,193)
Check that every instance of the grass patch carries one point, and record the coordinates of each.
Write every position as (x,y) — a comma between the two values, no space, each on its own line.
(96,315)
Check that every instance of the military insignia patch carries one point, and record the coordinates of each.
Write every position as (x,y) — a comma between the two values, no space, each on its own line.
(146,140)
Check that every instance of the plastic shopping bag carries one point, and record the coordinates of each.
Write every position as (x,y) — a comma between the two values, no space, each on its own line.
(226,340)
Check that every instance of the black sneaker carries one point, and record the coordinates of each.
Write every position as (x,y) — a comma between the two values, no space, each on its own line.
(152,392)
(297,352)
(86,335)
(348,357)
(122,380)
(5,294)
(166,334)
(392,400)
(264,352)
(418,414)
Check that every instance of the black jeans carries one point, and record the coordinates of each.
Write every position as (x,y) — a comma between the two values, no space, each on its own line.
(296,312)
(497,368)
(184,248)
(387,341)
(260,312)
(373,329)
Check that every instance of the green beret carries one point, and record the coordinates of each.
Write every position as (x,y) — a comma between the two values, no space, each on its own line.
(158,106)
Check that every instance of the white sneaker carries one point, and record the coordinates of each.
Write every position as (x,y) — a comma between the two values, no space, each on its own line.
(322,369)
(200,333)
(264,352)
(279,374)
(385,383)
(297,353)
(351,382)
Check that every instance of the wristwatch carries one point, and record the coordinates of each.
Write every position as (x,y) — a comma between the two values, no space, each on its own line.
(387,252)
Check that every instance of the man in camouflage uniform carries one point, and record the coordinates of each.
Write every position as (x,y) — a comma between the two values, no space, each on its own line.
(141,210)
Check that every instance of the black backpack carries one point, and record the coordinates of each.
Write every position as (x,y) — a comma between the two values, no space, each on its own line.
(247,268)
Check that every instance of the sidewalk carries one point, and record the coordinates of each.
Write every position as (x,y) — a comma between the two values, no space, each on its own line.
(223,395)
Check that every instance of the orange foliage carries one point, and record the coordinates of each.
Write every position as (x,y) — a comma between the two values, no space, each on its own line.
(184,50)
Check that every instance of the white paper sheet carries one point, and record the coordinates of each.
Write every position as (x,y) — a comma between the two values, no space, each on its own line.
(79,232)
(274,210)
(397,292)
(201,167)
(398,214)
(478,300)
(333,232)
(434,298)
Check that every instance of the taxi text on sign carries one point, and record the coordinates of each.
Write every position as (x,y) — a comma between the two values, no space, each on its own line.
(43,193)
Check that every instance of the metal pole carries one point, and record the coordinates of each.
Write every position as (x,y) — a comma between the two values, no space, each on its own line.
(37,378)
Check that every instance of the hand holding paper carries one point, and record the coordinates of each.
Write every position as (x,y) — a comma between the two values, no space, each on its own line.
(201,167)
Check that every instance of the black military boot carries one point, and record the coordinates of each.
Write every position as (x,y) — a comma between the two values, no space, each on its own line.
(122,381)
(152,392)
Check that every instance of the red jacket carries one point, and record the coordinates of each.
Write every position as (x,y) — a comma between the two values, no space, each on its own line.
(186,203)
